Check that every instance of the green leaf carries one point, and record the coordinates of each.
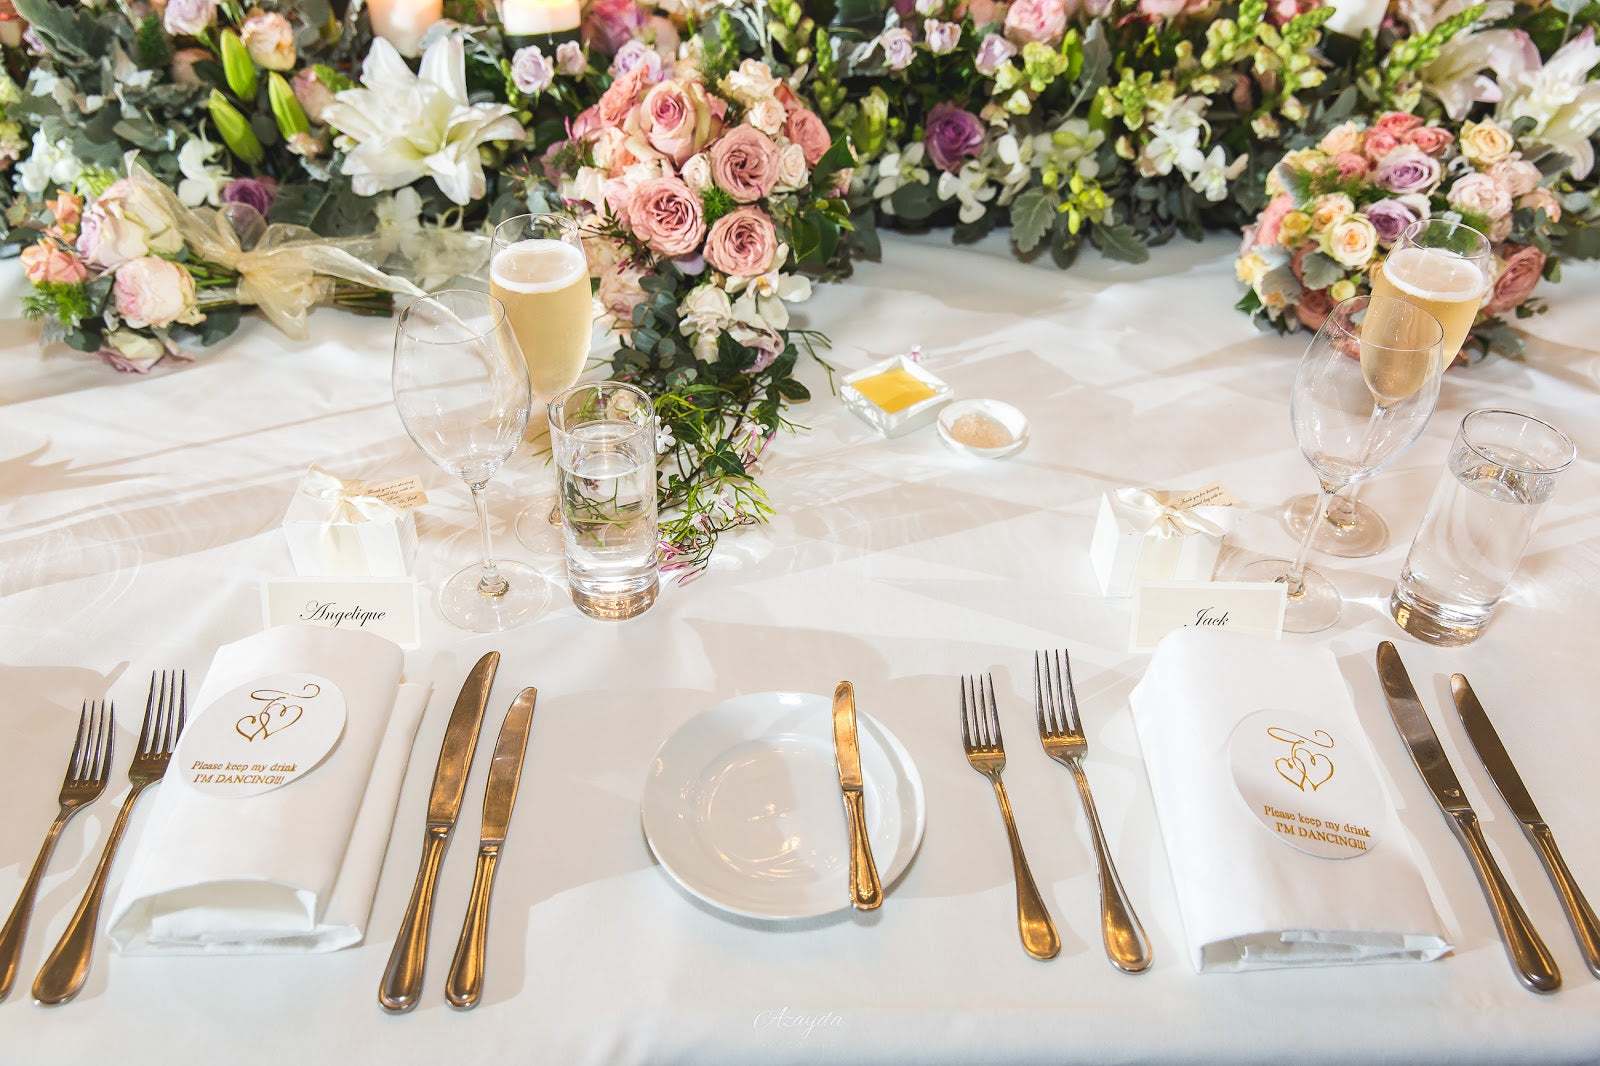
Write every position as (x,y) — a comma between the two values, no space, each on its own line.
(1096,58)
(914,202)
(1032,215)
(72,33)
(1119,242)
(1320,270)
(220,322)
(792,390)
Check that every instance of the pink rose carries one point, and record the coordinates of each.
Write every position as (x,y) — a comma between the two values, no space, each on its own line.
(1397,123)
(618,100)
(1379,144)
(46,263)
(1313,308)
(1482,195)
(742,243)
(1271,221)
(808,131)
(1524,264)
(1542,199)
(269,39)
(620,292)
(610,24)
(154,292)
(1044,21)
(744,164)
(982,12)
(311,92)
(666,215)
(1350,165)
(1518,176)
(676,119)
(1431,139)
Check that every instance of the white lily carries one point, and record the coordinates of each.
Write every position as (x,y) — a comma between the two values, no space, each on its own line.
(1457,77)
(202,183)
(1561,99)
(404,126)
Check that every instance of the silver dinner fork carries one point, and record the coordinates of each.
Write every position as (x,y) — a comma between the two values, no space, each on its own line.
(980,735)
(1061,733)
(85,779)
(64,972)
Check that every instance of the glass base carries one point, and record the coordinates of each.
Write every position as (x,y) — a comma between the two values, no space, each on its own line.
(1431,623)
(1318,605)
(1367,535)
(527,594)
(538,527)
(615,603)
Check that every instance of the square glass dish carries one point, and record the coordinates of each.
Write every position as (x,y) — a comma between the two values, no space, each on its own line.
(894,396)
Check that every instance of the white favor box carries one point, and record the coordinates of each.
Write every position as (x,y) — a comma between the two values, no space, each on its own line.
(1128,548)
(382,544)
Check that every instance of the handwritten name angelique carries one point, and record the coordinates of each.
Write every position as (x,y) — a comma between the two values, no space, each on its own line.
(318,611)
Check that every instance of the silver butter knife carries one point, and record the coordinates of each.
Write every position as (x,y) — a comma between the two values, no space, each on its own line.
(1530,958)
(465,983)
(1493,755)
(402,978)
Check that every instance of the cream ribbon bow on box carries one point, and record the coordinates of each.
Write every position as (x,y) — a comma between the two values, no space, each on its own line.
(348,500)
(1154,516)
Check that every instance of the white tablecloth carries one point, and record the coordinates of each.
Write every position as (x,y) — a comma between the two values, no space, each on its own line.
(138,516)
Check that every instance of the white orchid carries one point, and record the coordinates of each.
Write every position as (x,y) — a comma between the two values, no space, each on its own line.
(764,299)
(202,183)
(970,186)
(401,127)
(898,167)
(1210,174)
(1560,97)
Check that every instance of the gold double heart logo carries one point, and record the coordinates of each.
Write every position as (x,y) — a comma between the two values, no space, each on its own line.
(1303,767)
(278,713)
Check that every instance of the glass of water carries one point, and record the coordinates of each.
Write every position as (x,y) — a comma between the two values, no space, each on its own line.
(1502,468)
(604,437)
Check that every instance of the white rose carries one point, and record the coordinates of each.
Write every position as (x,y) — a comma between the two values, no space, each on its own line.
(696,172)
(154,292)
(1352,241)
(792,170)
(752,82)
(767,116)
(706,311)
(189,18)
(1482,195)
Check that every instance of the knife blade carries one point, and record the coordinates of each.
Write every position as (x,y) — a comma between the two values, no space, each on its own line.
(402,978)
(866,893)
(465,983)
(1531,960)
(1492,753)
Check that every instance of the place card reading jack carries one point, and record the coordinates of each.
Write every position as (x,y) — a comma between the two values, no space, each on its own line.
(385,606)
(1238,606)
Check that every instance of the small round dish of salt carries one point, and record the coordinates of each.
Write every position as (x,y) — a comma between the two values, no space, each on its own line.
(987,429)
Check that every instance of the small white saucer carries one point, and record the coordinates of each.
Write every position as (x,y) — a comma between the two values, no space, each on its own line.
(742,806)
(1015,422)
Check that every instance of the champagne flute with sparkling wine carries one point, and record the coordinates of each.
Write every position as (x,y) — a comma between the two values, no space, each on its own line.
(1363,392)
(461,388)
(538,271)
(1445,268)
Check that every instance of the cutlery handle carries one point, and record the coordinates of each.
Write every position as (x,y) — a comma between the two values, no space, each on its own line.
(16,927)
(865,890)
(66,969)
(1126,945)
(402,978)
(1534,965)
(1039,937)
(1579,913)
(465,983)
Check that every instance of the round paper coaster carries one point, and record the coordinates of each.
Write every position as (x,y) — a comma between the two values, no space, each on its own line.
(261,736)
(1312,790)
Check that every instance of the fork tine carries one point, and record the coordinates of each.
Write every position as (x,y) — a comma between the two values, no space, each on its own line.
(149,715)
(966,733)
(107,740)
(1038,697)
(76,762)
(1075,723)
(87,760)
(183,704)
(994,712)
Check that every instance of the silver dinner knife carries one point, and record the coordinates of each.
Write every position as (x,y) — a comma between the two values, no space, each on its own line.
(1492,753)
(1530,958)
(402,978)
(465,983)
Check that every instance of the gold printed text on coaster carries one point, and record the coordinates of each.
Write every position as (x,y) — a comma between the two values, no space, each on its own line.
(1312,789)
(261,736)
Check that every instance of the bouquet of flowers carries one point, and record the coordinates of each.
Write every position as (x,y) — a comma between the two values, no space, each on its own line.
(1338,206)
(703,190)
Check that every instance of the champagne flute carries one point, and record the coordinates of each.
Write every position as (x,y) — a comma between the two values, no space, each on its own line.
(1446,268)
(461,388)
(1363,392)
(537,269)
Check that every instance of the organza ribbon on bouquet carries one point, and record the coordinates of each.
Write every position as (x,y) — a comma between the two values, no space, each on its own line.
(1151,515)
(284,269)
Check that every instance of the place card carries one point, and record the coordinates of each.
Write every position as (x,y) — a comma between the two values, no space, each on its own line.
(385,606)
(261,735)
(1237,606)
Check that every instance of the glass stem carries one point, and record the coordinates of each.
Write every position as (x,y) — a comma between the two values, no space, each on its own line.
(491,583)
(1295,578)
(1342,512)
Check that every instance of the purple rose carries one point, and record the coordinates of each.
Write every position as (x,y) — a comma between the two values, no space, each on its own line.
(1407,169)
(256,192)
(1390,218)
(993,50)
(531,72)
(953,136)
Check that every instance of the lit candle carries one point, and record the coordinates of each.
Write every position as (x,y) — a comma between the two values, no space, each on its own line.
(403,22)
(524,18)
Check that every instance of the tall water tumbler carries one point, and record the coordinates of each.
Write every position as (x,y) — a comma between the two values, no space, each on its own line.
(604,437)
(1502,468)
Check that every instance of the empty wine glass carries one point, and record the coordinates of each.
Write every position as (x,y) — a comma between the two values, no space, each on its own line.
(1363,392)
(461,388)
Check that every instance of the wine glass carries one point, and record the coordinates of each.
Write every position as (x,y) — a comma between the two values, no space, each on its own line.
(537,269)
(1363,391)
(461,388)
(1445,268)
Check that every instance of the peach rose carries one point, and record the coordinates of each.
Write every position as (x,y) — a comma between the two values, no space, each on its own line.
(676,119)
(1351,165)
(1485,144)
(46,263)
(666,214)
(744,163)
(1542,199)
(1345,137)
(1518,176)
(67,208)
(1397,123)
(1523,266)
(1351,242)
(150,291)
(1379,144)
(269,39)
(742,243)
(808,131)
(618,100)
(1431,139)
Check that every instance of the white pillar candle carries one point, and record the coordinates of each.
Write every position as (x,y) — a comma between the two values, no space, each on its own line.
(403,22)
(523,18)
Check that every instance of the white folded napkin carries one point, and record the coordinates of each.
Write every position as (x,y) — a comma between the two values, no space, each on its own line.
(293,869)
(1250,901)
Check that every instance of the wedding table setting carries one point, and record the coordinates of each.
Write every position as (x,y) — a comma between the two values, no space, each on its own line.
(135,541)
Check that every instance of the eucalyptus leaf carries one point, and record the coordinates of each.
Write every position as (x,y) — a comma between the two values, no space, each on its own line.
(1319,270)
